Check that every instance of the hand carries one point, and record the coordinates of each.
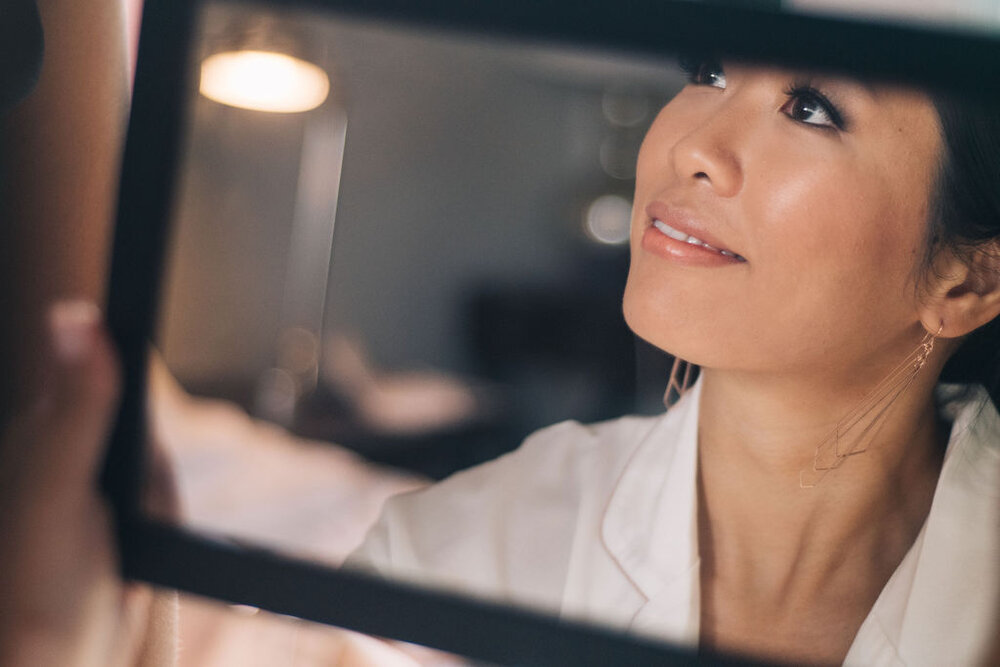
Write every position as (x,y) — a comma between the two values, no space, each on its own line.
(61,599)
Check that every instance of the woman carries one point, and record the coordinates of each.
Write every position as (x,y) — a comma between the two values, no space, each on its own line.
(821,248)
(831,243)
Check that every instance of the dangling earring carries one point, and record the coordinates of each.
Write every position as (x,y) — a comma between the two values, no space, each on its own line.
(681,379)
(854,432)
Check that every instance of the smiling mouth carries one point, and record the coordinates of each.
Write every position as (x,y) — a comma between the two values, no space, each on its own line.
(692,240)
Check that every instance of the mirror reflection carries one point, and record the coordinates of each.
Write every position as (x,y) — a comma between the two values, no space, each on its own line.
(397,255)
(423,268)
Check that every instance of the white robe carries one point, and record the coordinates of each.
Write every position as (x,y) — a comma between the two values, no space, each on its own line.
(599,523)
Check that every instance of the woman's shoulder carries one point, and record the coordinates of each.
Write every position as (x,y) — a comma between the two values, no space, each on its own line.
(507,527)
(974,442)
(555,463)
(582,446)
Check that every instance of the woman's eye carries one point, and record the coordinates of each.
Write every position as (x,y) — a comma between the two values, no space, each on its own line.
(812,108)
(705,73)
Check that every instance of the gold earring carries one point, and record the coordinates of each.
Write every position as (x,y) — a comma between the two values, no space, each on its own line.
(681,379)
(852,435)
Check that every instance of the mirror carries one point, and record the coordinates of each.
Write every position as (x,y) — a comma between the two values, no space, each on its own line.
(403,281)
(395,253)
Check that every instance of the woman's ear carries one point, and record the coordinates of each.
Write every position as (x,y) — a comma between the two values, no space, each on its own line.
(963,293)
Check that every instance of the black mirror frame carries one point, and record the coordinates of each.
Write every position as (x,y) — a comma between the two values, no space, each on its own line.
(169,556)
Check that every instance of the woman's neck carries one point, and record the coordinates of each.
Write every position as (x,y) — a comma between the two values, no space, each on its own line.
(789,572)
(754,440)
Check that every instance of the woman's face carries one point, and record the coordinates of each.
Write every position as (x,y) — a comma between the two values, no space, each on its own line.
(813,192)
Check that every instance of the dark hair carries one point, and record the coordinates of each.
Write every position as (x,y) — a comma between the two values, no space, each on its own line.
(965,219)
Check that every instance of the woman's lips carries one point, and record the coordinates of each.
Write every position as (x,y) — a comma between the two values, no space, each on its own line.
(687,238)
(675,235)
(682,252)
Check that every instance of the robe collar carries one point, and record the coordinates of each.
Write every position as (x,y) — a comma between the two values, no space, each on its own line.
(650,525)
(939,603)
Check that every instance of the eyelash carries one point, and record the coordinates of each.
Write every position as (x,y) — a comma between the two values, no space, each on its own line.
(695,68)
(807,92)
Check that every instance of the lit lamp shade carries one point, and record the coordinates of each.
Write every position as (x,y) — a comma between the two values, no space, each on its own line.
(263,81)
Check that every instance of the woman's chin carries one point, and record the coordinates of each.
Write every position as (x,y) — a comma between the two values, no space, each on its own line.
(656,332)
(667,325)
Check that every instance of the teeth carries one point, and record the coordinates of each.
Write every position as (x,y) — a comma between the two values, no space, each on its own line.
(670,231)
(681,236)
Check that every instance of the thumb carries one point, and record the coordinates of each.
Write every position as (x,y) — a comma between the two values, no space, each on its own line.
(84,391)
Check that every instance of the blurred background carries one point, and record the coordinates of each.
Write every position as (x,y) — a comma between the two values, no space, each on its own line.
(424,262)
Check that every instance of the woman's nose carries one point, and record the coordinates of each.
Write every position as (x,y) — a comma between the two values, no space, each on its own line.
(708,155)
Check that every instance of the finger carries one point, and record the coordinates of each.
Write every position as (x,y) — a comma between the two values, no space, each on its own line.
(84,389)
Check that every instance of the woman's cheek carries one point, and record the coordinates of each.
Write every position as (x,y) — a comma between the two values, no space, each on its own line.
(807,211)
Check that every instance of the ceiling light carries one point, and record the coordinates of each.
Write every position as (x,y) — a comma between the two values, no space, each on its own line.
(263,81)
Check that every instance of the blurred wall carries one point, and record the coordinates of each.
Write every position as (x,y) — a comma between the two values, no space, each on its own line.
(466,163)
